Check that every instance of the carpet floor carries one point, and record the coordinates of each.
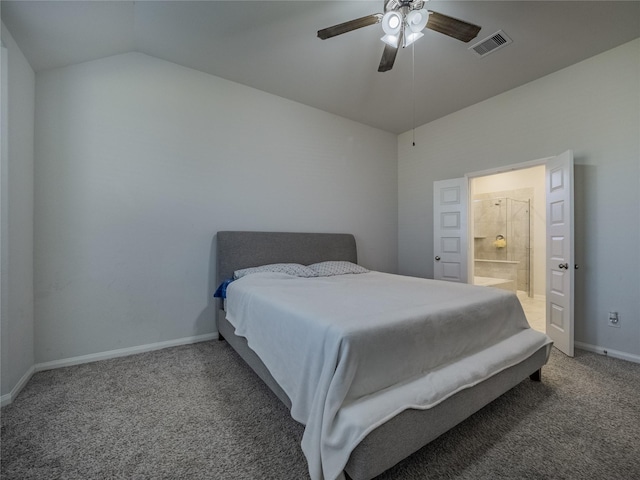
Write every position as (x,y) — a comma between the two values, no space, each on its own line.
(198,412)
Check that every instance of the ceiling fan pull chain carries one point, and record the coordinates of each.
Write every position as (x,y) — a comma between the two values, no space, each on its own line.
(413,89)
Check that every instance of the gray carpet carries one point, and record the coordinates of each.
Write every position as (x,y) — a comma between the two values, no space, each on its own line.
(198,412)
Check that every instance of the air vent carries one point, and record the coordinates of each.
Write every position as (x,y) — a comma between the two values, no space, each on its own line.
(491,44)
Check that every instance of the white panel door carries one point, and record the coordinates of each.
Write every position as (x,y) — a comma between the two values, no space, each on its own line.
(560,253)
(450,205)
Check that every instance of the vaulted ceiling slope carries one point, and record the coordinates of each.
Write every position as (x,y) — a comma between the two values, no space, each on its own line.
(272,46)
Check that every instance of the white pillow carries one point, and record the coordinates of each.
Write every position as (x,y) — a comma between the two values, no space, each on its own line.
(328,269)
(294,269)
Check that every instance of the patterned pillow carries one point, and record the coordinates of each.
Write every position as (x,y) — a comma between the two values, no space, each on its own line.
(328,269)
(294,269)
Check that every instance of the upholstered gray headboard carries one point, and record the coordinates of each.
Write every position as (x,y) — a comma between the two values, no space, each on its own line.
(236,250)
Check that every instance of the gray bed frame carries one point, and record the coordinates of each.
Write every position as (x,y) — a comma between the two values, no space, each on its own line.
(410,430)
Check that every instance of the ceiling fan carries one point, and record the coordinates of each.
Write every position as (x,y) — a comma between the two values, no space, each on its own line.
(403,22)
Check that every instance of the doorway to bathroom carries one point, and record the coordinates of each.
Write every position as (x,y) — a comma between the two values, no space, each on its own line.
(551,261)
(508,228)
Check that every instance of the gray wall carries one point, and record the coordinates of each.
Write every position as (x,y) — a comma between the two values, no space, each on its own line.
(593,108)
(16,173)
(140,161)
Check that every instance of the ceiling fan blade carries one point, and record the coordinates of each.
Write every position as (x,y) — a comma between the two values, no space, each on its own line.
(388,58)
(349,26)
(453,27)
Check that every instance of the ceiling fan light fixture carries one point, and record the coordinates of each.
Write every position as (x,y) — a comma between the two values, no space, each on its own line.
(391,40)
(391,23)
(411,37)
(417,20)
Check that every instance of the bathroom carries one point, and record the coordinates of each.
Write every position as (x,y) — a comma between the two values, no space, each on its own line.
(509,221)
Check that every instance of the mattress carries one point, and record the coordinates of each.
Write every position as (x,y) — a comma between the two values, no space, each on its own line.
(353,351)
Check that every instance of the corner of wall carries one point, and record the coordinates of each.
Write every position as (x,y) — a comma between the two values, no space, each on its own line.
(16,219)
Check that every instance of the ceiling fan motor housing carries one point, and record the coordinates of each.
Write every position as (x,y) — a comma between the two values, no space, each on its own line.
(390,5)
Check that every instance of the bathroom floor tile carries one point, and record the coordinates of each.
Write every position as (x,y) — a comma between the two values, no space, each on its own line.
(535,310)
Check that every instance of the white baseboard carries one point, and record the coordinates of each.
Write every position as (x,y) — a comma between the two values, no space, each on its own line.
(608,352)
(8,398)
(123,352)
(94,357)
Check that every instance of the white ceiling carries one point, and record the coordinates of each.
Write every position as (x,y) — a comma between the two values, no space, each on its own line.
(272,46)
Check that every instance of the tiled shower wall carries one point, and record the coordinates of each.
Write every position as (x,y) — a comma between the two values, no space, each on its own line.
(505,213)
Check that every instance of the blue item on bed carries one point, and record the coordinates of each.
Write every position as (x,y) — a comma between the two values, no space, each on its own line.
(221,292)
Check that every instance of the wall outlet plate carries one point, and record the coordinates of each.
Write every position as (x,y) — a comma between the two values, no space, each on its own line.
(614,319)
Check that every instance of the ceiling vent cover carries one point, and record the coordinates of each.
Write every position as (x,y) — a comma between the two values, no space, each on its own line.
(491,44)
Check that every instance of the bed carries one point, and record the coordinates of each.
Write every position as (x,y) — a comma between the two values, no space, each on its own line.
(357,421)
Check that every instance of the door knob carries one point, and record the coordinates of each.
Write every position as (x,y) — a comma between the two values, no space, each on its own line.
(437,259)
(576,266)
(563,265)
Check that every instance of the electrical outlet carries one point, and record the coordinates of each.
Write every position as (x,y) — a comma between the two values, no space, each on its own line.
(614,319)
